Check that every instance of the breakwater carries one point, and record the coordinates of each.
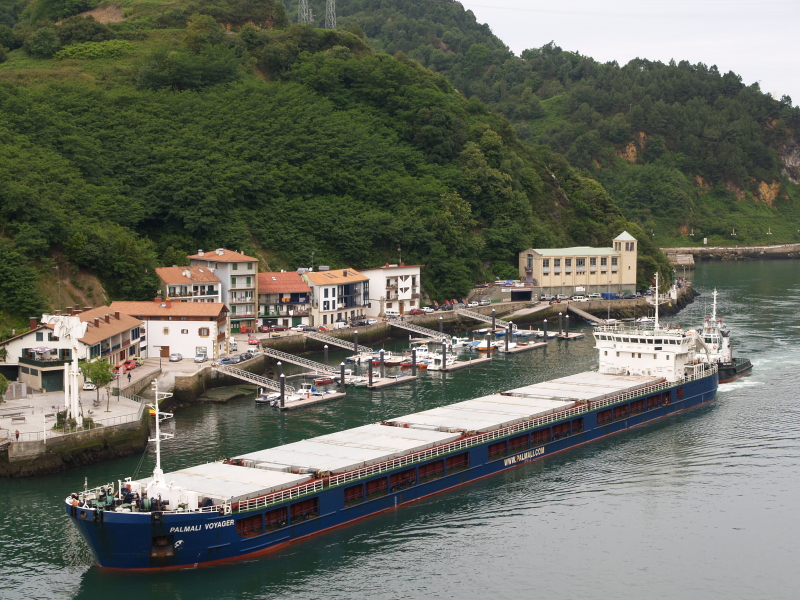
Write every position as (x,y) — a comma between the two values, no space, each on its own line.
(738,252)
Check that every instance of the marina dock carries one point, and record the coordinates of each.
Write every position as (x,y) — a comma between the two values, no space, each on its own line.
(570,336)
(463,364)
(525,348)
(311,400)
(382,382)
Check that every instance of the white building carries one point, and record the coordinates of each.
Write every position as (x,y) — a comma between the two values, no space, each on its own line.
(337,296)
(581,269)
(40,359)
(190,284)
(238,276)
(187,328)
(393,287)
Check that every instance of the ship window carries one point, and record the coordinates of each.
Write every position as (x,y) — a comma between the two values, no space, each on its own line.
(605,352)
(680,393)
(518,443)
(650,341)
(456,463)
(353,495)
(542,436)
(627,340)
(638,407)
(659,342)
(640,355)
(305,510)
(604,417)
(621,412)
(275,519)
(250,526)
(431,471)
(560,431)
(653,402)
(617,354)
(498,450)
(577,426)
(402,480)
(377,488)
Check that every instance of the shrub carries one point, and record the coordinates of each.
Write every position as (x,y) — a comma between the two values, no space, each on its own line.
(42,43)
(76,30)
(3,55)
(95,50)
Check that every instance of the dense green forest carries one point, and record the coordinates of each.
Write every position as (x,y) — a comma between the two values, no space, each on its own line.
(126,146)
(680,147)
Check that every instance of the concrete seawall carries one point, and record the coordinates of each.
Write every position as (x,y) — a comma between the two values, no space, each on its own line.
(738,252)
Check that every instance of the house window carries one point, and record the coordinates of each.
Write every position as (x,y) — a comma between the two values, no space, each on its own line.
(388,305)
(617,246)
(567,262)
(603,262)
(556,262)
(39,336)
(235,267)
(51,337)
(580,262)
(614,261)
(325,292)
(248,280)
(326,305)
(136,332)
(546,263)
(185,331)
(324,319)
(165,331)
(203,332)
(233,281)
(592,262)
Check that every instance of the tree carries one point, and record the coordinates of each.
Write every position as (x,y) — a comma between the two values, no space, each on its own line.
(3,387)
(43,43)
(99,373)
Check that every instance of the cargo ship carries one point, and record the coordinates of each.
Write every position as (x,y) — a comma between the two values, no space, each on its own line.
(257,502)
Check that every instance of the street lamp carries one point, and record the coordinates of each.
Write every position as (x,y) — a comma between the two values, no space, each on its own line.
(159,355)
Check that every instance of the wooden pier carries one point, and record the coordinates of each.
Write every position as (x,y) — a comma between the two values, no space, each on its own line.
(313,399)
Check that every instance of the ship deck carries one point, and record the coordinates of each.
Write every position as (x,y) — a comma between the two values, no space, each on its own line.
(262,472)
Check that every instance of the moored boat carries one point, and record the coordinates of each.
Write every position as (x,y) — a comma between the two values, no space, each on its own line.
(719,349)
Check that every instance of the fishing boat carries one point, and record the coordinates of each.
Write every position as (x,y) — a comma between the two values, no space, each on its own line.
(326,380)
(717,340)
(267,397)
(437,362)
(257,502)
(459,342)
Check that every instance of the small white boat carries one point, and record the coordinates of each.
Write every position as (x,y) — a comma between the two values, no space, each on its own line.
(436,361)
(539,334)
(460,342)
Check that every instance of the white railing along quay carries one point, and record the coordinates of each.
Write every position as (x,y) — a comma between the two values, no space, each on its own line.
(297,360)
(329,339)
(481,317)
(442,337)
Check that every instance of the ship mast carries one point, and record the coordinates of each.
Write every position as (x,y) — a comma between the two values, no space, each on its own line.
(714,308)
(656,324)
(158,474)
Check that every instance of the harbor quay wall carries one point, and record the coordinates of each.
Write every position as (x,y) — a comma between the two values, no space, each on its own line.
(188,388)
(137,387)
(31,458)
(738,252)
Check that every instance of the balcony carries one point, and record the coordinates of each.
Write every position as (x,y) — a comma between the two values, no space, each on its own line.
(42,364)
(243,315)
(206,293)
(241,300)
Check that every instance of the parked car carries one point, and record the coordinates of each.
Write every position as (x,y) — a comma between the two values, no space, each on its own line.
(129,364)
(275,328)
(297,328)
(416,311)
(175,357)
(236,358)
(485,302)
(252,341)
(360,323)
(473,303)
(580,298)
(562,297)
(200,357)
(309,328)
(88,385)
(628,296)
(264,329)
(428,309)
(247,355)
(547,297)
(372,321)
(138,360)
(323,328)
(225,360)
(447,307)
(120,369)
(596,296)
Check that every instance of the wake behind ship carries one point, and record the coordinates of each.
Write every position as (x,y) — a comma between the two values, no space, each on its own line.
(256,502)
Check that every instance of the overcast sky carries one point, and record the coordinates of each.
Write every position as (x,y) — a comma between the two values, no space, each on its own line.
(755,39)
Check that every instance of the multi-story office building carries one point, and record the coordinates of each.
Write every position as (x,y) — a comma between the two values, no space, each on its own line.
(581,269)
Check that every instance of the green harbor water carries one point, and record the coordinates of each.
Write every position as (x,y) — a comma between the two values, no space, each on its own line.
(698,505)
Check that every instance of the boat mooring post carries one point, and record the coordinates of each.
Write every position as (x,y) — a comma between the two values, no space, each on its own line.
(560,323)
(508,335)
(369,370)
(444,357)
(545,329)
(326,355)
(282,379)
(441,325)
(567,322)
(414,362)
(279,366)
(341,374)
(493,320)
(355,342)
(383,366)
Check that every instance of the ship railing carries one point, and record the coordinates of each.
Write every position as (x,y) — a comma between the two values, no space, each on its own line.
(282,496)
(476,440)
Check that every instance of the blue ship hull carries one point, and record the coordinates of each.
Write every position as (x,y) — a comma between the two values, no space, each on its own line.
(141,541)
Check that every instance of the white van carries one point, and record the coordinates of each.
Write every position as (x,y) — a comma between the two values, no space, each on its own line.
(232,346)
(391,314)
(341,325)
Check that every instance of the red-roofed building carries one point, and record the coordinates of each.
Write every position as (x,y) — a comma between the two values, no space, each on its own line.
(395,288)
(190,284)
(283,299)
(237,274)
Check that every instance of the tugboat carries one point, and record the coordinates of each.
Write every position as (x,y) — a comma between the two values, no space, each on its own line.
(716,337)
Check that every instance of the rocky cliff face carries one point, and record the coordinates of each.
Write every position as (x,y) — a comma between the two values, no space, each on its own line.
(790,157)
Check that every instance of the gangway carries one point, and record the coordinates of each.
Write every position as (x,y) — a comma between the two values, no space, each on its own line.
(481,317)
(258,380)
(442,337)
(585,315)
(329,339)
(303,362)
